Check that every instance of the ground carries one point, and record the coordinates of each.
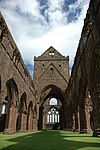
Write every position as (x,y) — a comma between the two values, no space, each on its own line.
(49,140)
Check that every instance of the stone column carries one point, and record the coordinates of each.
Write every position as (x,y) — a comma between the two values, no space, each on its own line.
(40,121)
(11,127)
(77,120)
(45,118)
(82,113)
(87,112)
(30,123)
(96,112)
(23,122)
(35,124)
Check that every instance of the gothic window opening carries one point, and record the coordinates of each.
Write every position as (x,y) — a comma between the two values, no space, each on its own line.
(3,109)
(53,116)
(89,95)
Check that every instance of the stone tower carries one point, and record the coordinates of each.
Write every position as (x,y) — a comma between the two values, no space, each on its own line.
(51,75)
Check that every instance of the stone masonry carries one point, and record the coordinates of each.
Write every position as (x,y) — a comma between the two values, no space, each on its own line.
(25,104)
(51,75)
(17,94)
(83,92)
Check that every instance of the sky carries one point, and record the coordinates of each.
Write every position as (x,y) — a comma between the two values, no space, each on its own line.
(38,24)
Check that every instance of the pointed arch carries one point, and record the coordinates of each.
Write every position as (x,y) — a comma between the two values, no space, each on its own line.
(10,105)
(51,91)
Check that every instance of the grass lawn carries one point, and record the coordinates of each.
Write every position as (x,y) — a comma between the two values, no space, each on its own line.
(49,140)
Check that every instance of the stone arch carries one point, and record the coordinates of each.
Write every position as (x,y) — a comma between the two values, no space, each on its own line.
(11,105)
(85,106)
(50,91)
(23,104)
(22,113)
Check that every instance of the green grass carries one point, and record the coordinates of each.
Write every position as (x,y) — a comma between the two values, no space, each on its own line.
(49,140)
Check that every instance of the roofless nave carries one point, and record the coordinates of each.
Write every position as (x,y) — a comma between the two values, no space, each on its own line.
(53,100)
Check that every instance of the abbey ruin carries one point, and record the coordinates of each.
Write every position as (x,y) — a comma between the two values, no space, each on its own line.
(53,99)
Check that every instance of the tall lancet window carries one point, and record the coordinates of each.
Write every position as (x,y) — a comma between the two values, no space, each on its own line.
(53,116)
(3,109)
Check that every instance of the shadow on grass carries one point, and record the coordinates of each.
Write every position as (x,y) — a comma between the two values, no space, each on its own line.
(49,140)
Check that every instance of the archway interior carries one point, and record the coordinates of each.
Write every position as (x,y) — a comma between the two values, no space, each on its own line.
(51,109)
(11,100)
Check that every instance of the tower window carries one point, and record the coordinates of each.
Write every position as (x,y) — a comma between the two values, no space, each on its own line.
(51,53)
(51,69)
(60,66)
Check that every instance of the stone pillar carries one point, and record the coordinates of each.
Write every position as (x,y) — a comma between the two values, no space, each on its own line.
(95,96)
(11,122)
(68,118)
(82,113)
(35,124)
(30,123)
(35,121)
(85,117)
(45,119)
(40,121)
(87,112)
(77,120)
(23,122)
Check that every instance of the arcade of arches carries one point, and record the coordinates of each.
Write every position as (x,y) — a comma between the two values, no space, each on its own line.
(53,99)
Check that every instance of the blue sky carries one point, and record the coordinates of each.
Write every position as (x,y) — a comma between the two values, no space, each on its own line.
(38,24)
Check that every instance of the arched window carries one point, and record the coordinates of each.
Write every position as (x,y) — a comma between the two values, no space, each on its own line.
(89,95)
(53,116)
(53,101)
(3,109)
(51,53)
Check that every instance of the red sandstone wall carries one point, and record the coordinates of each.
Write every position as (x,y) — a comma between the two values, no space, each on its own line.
(13,68)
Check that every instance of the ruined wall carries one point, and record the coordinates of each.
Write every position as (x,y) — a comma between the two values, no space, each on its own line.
(83,92)
(51,75)
(16,85)
(19,107)
(51,68)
